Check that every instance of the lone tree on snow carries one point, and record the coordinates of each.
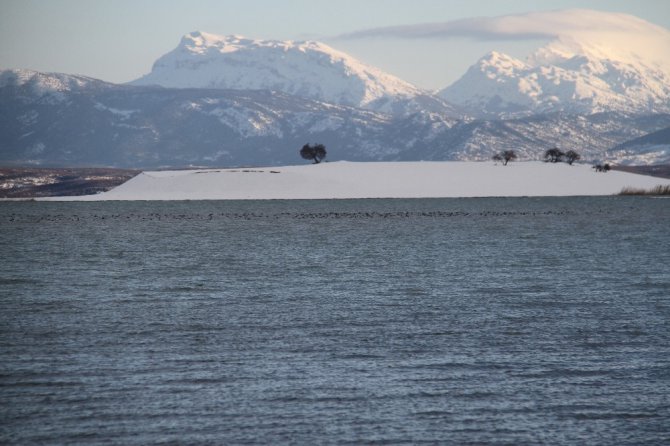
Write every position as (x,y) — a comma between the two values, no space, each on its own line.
(571,156)
(505,157)
(316,152)
(553,155)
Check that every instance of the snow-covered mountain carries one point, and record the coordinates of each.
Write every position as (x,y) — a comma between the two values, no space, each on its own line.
(307,69)
(624,69)
(57,119)
(53,86)
(499,85)
(231,101)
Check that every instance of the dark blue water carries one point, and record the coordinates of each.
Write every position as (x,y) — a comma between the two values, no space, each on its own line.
(476,321)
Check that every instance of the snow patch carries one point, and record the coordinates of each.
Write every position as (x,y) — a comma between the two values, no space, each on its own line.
(247,122)
(342,180)
(125,114)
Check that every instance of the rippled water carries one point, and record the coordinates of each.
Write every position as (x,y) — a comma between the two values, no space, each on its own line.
(475,321)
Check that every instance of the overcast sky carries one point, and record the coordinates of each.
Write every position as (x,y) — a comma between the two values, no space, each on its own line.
(118,40)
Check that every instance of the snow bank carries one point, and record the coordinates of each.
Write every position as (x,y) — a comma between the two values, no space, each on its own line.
(376,180)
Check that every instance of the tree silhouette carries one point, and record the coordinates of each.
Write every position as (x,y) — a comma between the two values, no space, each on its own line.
(553,155)
(505,156)
(508,155)
(316,152)
(571,156)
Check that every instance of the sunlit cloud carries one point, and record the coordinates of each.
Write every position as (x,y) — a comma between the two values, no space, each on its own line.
(475,28)
(578,31)
(528,26)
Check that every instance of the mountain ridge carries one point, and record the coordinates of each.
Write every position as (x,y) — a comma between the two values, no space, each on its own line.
(575,73)
(595,62)
(101,124)
(500,85)
(308,69)
(652,148)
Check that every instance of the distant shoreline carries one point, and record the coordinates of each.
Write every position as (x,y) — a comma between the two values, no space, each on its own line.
(24,183)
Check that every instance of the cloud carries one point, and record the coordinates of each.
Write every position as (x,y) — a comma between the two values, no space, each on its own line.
(598,34)
(475,28)
(529,26)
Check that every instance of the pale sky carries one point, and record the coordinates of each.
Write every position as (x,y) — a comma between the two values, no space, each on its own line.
(118,40)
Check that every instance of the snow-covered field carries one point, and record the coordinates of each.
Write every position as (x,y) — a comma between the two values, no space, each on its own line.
(376,180)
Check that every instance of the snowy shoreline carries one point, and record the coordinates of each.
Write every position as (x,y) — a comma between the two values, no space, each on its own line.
(351,180)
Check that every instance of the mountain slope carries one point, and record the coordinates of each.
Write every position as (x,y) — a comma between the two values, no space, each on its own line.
(622,67)
(61,120)
(499,85)
(653,148)
(152,126)
(307,69)
(49,86)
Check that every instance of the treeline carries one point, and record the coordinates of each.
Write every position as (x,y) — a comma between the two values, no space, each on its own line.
(554,155)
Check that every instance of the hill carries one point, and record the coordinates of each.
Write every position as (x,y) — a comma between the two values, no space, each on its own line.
(344,180)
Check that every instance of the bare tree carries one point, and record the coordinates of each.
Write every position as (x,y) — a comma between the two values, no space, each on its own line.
(553,155)
(571,156)
(505,156)
(508,155)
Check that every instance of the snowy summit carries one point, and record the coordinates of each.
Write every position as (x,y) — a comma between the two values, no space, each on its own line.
(308,69)
(594,62)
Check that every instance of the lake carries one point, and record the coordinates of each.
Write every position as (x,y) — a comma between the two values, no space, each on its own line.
(450,321)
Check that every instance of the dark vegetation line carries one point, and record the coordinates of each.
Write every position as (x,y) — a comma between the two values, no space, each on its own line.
(654,191)
(28,182)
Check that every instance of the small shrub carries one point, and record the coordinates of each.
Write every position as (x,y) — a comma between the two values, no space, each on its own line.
(632,191)
(661,190)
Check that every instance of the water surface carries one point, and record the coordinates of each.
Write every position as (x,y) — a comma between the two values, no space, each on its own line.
(451,321)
